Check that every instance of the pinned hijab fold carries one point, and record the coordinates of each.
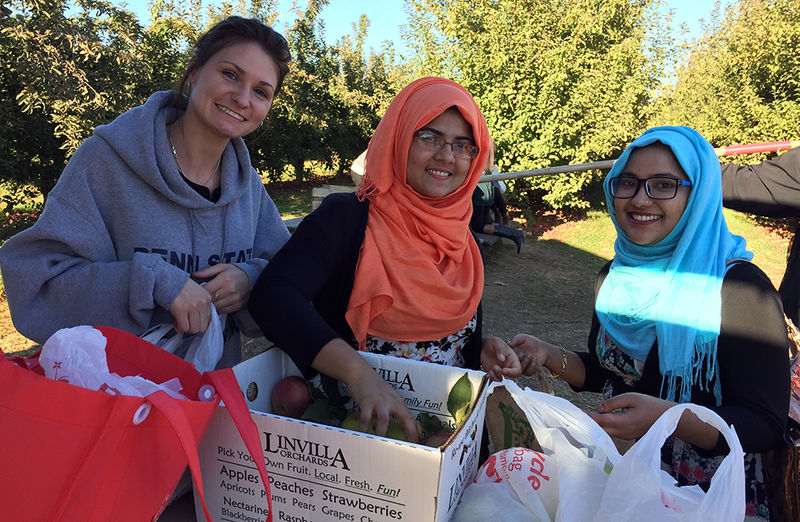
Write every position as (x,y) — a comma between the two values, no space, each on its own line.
(671,290)
(419,275)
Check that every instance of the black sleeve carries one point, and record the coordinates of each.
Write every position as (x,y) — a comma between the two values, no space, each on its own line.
(771,188)
(319,256)
(596,375)
(752,355)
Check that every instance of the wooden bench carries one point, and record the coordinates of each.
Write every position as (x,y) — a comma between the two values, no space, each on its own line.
(319,193)
(487,240)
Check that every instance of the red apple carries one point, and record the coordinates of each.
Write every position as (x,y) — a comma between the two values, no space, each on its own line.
(291,396)
(435,440)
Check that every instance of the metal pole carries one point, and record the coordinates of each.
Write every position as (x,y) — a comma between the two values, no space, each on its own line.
(580,167)
(730,150)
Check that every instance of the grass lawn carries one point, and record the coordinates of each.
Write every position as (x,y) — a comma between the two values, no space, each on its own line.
(291,203)
(595,234)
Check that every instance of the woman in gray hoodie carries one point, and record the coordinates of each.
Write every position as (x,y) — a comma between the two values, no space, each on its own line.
(160,214)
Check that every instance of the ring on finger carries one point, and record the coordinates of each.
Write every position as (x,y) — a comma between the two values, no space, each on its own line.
(215,297)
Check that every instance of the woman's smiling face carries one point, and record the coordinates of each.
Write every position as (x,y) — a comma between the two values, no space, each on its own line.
(437,173)
(233,91)
(644,220)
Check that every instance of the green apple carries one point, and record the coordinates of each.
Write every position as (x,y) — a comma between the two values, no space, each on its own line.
(395,430)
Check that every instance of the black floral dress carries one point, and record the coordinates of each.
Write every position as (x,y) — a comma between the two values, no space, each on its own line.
(447,350)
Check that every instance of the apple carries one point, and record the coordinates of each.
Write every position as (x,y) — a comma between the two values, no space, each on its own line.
(290,397)
(434,440)
(394,431)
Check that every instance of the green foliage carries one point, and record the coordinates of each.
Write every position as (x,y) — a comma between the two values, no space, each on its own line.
(740,82)
(64,75)
(65,72)
(559,82)
(332,101)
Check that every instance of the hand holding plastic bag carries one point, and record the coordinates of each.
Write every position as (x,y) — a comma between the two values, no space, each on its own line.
(638,486)
(78,356)
(205,350)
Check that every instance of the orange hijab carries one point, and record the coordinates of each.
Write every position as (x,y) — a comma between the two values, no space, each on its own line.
(419,275)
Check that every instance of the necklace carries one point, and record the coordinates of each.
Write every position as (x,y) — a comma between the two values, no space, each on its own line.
(178,162)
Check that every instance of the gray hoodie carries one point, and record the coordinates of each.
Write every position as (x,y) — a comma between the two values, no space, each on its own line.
(121,232)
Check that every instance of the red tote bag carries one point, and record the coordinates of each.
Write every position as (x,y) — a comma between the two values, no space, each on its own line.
(72,454)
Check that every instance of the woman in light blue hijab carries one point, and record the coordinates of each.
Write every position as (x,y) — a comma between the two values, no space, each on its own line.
(681,315)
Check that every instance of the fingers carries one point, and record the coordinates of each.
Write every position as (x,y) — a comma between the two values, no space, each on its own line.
(527,363)
(211,271)
(517,340)
(617,403)
(228,286)
(366,421)
(191,309)
(376,420)
(196,320)
(410,429)
(495,373)
(499,360)
(379,403)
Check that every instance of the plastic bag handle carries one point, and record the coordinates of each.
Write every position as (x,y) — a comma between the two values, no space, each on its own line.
(228,388)
(209,345)
(726,492)
(649,446)
(206,352)
(155,335)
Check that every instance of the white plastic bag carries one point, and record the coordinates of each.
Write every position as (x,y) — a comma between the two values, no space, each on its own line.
(576,457)
(513,484)
(205,350)
(78,356)
(638,488)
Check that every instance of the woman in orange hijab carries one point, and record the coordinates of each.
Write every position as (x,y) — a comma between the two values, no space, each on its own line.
(392,268)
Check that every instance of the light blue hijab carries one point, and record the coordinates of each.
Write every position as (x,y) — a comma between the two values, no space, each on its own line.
(670,290)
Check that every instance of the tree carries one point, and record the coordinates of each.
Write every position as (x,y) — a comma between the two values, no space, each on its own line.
(558,82)
(299,119)
(740,83)
(332,101)
(64,75)
(362,89)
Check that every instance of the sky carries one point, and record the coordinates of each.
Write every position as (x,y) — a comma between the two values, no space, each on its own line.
(388,16)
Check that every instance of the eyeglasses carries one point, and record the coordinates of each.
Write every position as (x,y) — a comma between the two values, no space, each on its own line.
(461,149)
(657,187)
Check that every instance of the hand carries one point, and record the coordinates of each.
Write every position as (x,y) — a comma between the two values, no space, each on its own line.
(228,286)
(629,415)
(375,397)
(499,360)
(191,309)
(531,351)
(527,363)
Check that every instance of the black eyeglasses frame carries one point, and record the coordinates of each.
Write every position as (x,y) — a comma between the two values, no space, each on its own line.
(645,181)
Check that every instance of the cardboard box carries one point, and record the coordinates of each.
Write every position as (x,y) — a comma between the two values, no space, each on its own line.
(320,472)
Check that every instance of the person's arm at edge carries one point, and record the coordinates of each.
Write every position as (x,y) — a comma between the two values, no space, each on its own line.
(770,188)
